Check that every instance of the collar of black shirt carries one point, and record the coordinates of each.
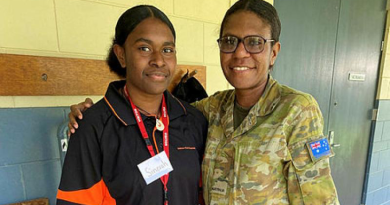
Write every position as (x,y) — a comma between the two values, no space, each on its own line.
(121,107)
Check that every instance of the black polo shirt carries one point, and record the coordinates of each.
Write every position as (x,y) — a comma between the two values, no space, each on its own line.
(101,163)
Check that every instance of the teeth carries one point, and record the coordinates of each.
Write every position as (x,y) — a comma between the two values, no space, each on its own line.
(240,68)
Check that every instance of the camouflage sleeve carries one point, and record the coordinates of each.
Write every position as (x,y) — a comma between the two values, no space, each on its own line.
(308,178)
(203,106)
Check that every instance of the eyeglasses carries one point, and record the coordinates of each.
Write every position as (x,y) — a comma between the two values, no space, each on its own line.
(252,44)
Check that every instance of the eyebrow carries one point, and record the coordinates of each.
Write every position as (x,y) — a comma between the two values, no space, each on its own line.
(167,43)
(143,40)
(229,34)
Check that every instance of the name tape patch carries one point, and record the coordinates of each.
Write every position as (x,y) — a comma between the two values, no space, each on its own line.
(220,187)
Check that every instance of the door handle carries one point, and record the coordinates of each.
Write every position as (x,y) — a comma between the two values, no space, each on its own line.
(331,139)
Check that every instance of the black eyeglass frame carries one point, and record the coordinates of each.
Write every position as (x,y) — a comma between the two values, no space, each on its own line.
(243,40)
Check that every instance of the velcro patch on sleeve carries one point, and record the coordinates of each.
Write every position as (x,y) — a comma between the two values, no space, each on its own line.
(319,149)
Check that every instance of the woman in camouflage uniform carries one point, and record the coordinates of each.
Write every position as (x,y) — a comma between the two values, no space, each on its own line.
(265,143)
(261,134)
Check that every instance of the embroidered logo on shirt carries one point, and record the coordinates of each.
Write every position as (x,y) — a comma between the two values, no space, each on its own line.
(184,148)
(319,149)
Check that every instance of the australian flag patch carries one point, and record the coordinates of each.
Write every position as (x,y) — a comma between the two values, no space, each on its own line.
(319,149)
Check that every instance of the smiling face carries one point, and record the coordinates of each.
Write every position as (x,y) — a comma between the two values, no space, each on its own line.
(243,70)
(149,56)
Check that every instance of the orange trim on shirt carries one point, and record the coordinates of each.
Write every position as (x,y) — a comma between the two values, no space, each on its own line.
(182,106)
(116,114)
(97,194)
(154,140)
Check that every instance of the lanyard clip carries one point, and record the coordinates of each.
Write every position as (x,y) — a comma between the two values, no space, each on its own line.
(165,197)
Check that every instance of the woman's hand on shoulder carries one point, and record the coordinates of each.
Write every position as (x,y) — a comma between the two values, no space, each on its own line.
(76,111)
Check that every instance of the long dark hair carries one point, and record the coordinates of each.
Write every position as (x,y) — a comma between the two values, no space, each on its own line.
(126,24)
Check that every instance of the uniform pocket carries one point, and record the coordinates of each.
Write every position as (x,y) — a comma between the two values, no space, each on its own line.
(309,179)
(258,170)
(307,153)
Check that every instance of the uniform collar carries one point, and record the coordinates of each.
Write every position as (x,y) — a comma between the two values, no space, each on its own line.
(269,100)
(265,106)
(121,107)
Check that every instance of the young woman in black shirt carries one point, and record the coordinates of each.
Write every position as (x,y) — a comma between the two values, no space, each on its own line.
(135,121)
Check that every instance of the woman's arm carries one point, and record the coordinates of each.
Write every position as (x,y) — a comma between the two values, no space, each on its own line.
(308,175)
(81,180)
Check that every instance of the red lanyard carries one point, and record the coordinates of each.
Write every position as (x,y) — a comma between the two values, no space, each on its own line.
(141,126)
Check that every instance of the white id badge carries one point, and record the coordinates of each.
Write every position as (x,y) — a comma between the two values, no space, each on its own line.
(155,167)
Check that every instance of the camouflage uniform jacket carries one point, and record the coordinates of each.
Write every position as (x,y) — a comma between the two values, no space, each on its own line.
(266,160)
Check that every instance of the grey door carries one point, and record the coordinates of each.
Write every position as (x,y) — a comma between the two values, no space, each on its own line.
(323,43)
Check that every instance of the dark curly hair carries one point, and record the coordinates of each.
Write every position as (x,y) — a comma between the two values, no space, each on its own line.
(126,24)
(262,9)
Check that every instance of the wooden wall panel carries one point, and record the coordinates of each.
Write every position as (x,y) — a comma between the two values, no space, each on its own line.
(36,75)
(40,201)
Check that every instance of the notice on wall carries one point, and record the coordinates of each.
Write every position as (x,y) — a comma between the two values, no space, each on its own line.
(357,77)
